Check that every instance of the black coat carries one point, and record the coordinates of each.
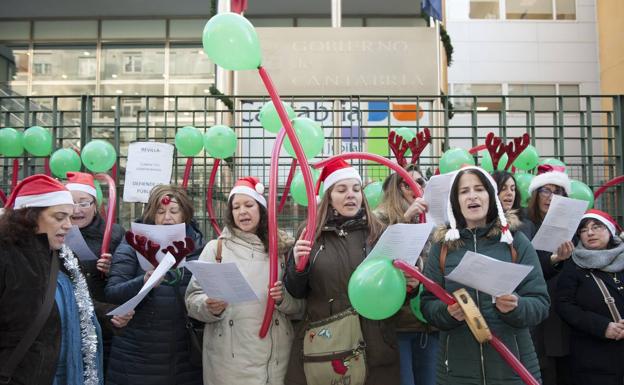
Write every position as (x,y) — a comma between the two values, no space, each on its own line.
(24,276)
(595,359)
(153,348)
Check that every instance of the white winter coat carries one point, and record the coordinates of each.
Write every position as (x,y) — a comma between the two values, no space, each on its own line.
(233,353)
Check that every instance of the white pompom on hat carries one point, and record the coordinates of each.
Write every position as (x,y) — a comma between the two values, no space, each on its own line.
(453,234)
(250,186)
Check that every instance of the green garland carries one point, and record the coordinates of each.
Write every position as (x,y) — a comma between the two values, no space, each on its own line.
(448,47)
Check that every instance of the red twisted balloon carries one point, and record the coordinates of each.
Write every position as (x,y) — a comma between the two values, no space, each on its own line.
(615,181)
(187,172)
(15,172)
(293,167)
(110,213)
(445,297)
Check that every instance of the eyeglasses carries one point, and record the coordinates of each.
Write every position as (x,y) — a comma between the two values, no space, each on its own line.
(546,192)
(421,182)
(84,205)
(593,228)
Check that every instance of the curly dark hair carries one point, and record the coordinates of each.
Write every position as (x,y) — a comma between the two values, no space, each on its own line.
(263,226)
(18,226)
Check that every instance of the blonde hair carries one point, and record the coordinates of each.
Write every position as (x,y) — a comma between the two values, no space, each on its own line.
(178,194)
(393,205)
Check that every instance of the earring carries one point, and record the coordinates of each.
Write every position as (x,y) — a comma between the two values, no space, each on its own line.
(335,212)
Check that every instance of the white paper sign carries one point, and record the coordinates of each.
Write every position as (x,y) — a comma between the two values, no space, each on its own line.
(222,281)
(560,223)
(75,241)
(149,164)
(436,195)
(402,241)
(164,235)
(489,275)
(152,282)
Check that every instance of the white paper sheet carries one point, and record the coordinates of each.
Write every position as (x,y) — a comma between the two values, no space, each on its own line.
(560,223)
(164,235)
(153,280)
(222,281)
(75,241)
(489,275)
(402,241)
(149,164)
(436,195)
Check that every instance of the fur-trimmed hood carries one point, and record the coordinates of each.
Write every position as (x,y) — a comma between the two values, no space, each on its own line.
(513,220)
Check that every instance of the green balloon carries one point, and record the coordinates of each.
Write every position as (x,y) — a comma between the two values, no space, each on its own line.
(189,141)
(231,42)
(415,305)
(523,181)
(377,289)
(63,161)
(220,141)
(269,118)
(374,194)
(310,136)
(487,165)
(98,156)
(38,141)
(527,160)
(582,191)
(553,162)
(454,159)
(98,192)
(297,187)
(11,142)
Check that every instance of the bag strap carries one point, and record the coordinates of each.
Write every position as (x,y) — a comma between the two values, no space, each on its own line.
(609,300)
(6,372)
(219,257)
(444,252)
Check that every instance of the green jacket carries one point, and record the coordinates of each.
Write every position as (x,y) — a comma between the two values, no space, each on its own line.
(461,359)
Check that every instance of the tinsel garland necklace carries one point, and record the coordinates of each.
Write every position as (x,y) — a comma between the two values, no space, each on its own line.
(88,332)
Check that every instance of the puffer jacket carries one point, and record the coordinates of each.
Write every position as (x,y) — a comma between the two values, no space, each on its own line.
(233,353)
(154,347)
(338,251)
(462,360)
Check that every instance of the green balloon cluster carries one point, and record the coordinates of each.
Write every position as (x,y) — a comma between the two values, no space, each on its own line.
(189,141)
(488,165)
(374,194)
(527,160)
(231,42)
(98,156)
(269,118)
(11,142)
(38,141)
(298,190)
(63,161)
(454,159)
(523,181)
(377,289)
(582,191)
(220,141)
(310,136)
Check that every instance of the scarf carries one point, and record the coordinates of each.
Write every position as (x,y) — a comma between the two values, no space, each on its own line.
(609,260)
(80,360)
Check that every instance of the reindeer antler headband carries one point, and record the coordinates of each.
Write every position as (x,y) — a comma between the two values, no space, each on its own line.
(399,146)
(513,149)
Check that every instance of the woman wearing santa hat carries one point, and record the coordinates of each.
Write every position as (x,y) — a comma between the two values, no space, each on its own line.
(154,348)
(478,223)
(48,329)
(91,227)
(590,298)
(346,231)
(233,352)
(552,336)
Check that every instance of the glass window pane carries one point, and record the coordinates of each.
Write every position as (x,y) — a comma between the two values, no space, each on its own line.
(524,103)
(133,29)
(64,103)
(190,62)
(64,63)
(133,105)
(484,9)
(186,29)
(395,22)
(133,62)
(483,103)
(566,9)
(14,30)
(192,98)
(529,9)
(84,29)
(21,58)
(313,22)
(571,103)
(272,22)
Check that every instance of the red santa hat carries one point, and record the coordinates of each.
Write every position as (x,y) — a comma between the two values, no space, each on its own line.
(334,172)
(453,234)
(39,191)
(549,174)
(81,181)
(605,219)
(251,186)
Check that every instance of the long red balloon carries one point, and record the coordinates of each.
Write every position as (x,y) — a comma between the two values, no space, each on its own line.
(187,172)
(307,179)
(110,213)
(448,299)
(615,181)
(209,208)
(14,177)
(293,167)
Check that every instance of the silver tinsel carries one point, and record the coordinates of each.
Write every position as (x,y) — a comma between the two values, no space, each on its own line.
(88,331)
